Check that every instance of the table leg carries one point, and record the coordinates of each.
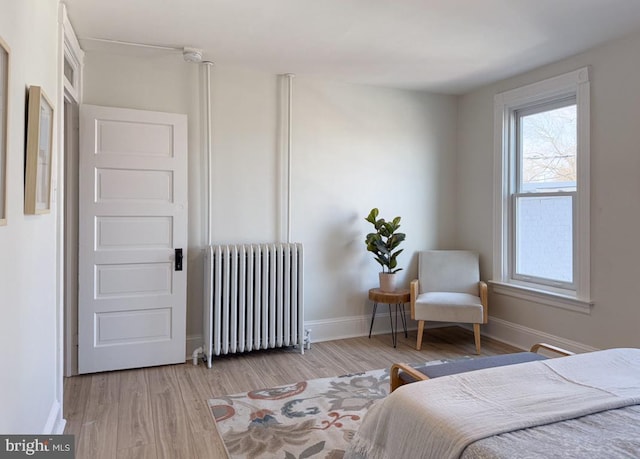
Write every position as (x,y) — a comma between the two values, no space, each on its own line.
(393,329)
(373,316)
(404,321)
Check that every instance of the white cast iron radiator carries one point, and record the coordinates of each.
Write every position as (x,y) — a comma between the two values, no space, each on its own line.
(253,298)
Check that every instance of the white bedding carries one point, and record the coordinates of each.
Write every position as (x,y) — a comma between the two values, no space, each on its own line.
(440,417)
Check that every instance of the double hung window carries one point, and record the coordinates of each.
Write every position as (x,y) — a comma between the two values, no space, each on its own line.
(542,191)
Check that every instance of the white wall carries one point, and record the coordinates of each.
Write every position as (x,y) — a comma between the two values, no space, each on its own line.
(354,147)
(615,187)
(29,397)
(359,147)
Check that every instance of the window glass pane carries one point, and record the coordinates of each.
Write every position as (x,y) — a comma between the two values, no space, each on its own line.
(68,71)
(548,146)
(544,237)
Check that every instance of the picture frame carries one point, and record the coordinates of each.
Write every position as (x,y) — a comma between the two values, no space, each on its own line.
(5,54)
(39,153)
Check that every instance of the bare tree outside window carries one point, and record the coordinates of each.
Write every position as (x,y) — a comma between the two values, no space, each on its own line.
(549,146)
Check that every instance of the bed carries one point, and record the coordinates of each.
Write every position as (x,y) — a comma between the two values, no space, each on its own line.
(585,406)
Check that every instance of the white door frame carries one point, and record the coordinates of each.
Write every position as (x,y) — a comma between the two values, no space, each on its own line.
(70,92)
(70,234)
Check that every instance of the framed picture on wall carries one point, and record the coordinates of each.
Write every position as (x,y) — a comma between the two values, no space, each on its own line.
(37,192)
(4,127)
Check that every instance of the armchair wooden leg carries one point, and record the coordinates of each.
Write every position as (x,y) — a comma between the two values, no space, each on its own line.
(420,331)
(476,335)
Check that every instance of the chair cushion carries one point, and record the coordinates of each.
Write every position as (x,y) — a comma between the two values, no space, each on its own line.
(449,271)
(461,366)
(449,307)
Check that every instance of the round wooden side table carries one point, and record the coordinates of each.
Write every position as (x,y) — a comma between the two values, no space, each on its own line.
(399,298)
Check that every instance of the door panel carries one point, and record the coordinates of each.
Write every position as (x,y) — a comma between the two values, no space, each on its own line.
(127,327)
(133,214)
(120,233)
(134,185)
(131,138)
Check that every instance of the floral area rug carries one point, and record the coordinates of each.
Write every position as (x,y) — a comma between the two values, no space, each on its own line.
(308,419)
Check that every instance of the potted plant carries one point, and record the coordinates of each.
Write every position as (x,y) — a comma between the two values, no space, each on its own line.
(382,244)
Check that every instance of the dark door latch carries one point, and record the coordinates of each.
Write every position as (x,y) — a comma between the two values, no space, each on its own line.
(178,259)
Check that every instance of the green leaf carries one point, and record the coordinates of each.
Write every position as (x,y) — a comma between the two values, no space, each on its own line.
(371,218)
(393,242)
(382,247)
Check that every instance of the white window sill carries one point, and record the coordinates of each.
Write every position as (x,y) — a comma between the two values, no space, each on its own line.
(556,300)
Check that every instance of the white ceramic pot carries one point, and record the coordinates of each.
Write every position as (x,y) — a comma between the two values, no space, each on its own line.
(387,282)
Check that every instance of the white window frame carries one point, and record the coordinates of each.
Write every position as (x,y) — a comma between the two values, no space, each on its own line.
(578,296)
(73,55)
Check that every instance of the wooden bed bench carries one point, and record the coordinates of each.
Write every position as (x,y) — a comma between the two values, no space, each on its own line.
(402,373)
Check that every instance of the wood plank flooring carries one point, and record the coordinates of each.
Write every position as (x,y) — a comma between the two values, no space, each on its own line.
(162,412)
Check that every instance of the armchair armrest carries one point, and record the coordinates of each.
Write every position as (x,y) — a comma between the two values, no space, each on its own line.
(536,347)
(395,378)
(414,290)
(484,299)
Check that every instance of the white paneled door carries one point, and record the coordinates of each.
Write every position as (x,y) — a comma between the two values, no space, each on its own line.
(132,233)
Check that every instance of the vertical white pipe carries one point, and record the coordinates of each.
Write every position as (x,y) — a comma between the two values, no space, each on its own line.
(207,309)
(209,148)
(289,154)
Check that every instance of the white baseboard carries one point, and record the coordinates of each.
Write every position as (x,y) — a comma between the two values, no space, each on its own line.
(523,337)
(55,422)
(339,328)
(58,429)
(354,326)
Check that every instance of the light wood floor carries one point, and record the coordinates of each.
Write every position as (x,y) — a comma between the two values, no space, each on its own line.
(162,412)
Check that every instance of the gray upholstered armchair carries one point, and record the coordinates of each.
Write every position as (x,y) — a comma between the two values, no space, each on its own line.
(448,289)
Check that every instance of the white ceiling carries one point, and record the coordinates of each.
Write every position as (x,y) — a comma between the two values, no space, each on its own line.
(448,46)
